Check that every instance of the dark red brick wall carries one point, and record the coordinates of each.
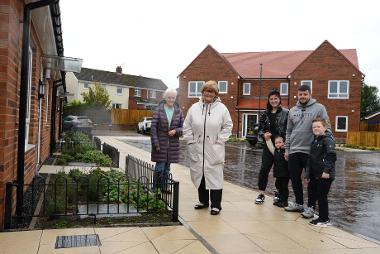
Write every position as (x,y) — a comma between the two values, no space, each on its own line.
(11,13)
(325,64)
(209,65)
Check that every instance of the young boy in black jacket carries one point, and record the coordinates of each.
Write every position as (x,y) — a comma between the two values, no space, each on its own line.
(280,172)
(320,170)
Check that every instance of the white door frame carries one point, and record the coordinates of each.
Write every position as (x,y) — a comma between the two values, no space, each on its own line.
(244,122)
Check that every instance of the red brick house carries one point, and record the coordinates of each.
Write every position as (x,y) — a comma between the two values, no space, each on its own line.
(245,79)
(31,88)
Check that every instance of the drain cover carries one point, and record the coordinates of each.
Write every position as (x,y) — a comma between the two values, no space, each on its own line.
(73,241)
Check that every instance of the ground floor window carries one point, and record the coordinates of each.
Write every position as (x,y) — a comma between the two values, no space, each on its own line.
(116,105)
(248,123)
(341,123)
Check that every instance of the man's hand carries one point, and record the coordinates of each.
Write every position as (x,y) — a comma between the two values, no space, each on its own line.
(286,155)
(325,175)
(267,135)
(157,148)
(172,133)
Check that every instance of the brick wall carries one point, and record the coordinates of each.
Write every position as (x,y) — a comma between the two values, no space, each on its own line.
(325,64)
(209,65)
(11,13)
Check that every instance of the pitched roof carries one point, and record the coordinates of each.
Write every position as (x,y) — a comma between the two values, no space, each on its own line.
(276,64)
(109,77)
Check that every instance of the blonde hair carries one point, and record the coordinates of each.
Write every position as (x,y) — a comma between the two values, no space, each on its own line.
(212,86)
(169,91)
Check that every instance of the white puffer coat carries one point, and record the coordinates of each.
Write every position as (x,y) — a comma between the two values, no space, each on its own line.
(206,128)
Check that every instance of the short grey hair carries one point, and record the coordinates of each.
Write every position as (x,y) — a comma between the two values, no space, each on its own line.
(169,91)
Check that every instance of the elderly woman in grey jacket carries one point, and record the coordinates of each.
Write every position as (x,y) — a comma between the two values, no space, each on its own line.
(207,127)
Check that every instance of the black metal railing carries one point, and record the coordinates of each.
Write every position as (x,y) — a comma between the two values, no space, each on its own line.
(94,194)
(144,173)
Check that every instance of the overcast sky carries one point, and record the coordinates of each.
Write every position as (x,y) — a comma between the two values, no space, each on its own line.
(160,38)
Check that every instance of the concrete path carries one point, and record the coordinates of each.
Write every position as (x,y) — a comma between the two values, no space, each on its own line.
(241,228)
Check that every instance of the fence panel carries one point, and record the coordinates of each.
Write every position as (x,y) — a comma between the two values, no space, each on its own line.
(129,116)
(363,138)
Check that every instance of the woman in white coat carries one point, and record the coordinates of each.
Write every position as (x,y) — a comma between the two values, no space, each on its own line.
(207,127)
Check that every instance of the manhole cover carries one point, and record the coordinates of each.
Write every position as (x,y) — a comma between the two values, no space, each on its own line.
(73,241)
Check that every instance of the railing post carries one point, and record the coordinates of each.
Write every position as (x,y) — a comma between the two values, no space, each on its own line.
(8,205)
(175,201)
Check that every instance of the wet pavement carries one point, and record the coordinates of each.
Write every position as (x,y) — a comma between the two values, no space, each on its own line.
(354,198)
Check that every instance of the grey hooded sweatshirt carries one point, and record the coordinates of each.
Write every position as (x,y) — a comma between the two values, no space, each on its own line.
(299,134)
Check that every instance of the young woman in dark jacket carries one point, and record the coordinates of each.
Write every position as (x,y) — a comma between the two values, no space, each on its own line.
(166,128)
(272,123)
(320,170)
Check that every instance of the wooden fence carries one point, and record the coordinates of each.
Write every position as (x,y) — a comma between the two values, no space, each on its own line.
(364,126)
(129,116)
(363,138)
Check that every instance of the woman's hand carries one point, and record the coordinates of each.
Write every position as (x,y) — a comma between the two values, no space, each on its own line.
(172,133)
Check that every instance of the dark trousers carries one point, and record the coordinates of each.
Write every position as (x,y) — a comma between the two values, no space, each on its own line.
(318,192)
(266,165)
(296,164)
(282,187)
(204,195)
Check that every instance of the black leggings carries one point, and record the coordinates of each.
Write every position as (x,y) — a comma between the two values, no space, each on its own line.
(266,165)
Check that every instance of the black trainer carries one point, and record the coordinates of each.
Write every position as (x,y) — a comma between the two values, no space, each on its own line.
(260,199)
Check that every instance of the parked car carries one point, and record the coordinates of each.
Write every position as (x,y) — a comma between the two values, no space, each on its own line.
(144,125)
(77,123)
(252,135)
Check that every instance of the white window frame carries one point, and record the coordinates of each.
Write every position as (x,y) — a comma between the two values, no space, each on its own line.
(311,84)
(117,91)
(114,104)
(336,124)
(152,94)
(338,90)
(223,92)
(249,88)
(137,92)
(86,85)
(244,123)
(287,88)
(197,93)
(29,98)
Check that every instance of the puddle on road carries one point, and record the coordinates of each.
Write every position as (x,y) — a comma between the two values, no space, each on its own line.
(354,198)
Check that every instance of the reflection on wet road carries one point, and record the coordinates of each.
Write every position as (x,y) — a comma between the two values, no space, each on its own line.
(354,198)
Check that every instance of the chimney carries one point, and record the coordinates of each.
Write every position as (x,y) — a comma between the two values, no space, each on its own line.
(119,70)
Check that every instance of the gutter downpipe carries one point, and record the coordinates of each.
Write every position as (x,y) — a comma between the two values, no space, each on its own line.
(23,99)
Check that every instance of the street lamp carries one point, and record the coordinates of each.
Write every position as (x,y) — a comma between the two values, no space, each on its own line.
(41,89)
(261,76)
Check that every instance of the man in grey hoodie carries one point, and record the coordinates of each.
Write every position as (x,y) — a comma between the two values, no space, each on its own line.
(299,137)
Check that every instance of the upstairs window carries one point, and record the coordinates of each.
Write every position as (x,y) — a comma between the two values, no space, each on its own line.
(338,89)
(151,94)
(308,83)
(119,91)
(137,92)
(223,86)
(194,88)
(284,88)
(246,88)
(86,85)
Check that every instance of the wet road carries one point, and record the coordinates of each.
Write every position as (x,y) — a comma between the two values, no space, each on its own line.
(354,198)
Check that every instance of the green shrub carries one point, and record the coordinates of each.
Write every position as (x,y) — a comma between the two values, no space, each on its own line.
(95,156)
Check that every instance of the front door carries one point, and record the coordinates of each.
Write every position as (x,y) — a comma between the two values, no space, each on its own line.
(249,120)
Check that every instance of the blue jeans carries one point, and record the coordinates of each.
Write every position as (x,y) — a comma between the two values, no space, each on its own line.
(161,174)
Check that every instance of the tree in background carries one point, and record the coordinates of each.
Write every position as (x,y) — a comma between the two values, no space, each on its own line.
(370,101)
(97,96)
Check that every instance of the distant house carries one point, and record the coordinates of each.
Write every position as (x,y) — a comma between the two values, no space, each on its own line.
(332,74)
(126,91)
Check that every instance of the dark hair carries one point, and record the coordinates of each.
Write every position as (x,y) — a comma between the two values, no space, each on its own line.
(304,88)
(279,136)
(321,120)
(273,92)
